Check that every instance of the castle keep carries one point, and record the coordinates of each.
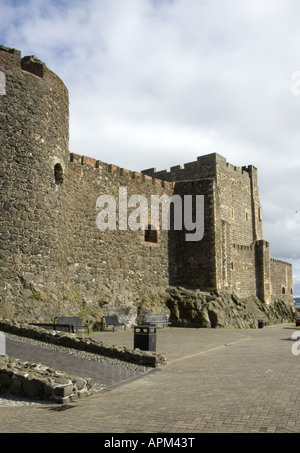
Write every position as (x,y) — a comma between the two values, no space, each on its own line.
(54,259)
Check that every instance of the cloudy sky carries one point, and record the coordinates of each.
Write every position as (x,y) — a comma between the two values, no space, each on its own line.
(156,83)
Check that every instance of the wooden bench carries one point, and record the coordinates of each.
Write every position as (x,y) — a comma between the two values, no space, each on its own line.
(154,320)
(113,321)
(72,321)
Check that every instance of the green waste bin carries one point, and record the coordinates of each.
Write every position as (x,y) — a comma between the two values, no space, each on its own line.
(145,338)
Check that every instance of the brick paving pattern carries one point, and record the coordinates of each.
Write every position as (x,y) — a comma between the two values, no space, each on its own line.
(216,381)
(103,373)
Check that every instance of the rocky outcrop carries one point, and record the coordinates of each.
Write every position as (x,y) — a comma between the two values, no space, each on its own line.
(193,308)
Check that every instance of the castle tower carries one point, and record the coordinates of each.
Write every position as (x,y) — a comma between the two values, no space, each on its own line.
(255,203)
(263,271)
(34,122)
(55,260)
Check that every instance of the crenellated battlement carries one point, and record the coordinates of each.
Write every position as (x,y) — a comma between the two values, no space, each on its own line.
(205,166)
(11,59)
(275,261)
(263,243)
(138,177)
(175,172)
(245,170)
(243,247)
(260,244)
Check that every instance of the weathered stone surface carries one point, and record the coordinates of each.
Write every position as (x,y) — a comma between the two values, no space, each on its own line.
(36,381)
(63,390)
(221,309)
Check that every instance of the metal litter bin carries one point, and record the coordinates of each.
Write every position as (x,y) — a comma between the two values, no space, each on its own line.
(145,338)
(260,324)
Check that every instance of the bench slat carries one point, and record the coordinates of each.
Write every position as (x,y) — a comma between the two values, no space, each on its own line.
(157,319)
(73,321)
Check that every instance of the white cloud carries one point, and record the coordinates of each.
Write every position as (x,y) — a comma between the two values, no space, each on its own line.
(157,83)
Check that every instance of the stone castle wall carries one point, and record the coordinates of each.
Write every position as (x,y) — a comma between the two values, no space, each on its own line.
(34,134)
(281,279)
(194,261)
(243,270)
(115,269)
(239,257)
(54,259)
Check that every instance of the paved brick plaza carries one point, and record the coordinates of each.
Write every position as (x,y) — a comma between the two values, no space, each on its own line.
(216,381)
